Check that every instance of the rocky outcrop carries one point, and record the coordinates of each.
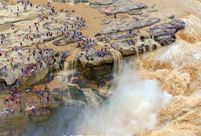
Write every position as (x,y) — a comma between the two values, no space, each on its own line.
(74,92)
(119,36)
(39,75)
(127,6)
(97,3)
(165,33)
(59,59)
(65,41)
(96,61)
(153,10)
(126,26)
(104,38)
(123,6)
(136,13)
(74,1)
(126,47)
(55,62)
(63,1)
(105,22)
(133,47)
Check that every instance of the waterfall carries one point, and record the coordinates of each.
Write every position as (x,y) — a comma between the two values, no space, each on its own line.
(117,61)
(70,64)
(92,98)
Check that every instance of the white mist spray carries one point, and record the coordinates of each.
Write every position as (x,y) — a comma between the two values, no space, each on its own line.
(133,106)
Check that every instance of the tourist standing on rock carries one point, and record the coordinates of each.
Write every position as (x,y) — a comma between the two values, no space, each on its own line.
(48,98)
(33,109)
(11,64)
(46,87)
(28,58)
(12,111)
(35,88)
(34,53)
(41,65)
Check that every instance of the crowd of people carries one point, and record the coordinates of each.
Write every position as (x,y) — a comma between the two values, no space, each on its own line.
(15,98)
(89,50)
(70,29)
(6,112)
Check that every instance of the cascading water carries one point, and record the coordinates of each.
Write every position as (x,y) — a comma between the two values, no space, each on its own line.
(117,61)
(139,105)
(178,69)
(133,106)
(70,64)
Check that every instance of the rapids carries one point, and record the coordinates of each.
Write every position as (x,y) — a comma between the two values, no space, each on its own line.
(137,107)
(160,96)
(178,69)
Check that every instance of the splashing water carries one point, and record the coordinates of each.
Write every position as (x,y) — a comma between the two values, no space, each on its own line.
(178,69)
(134,105)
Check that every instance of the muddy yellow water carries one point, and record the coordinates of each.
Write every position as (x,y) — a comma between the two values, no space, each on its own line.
(177,67)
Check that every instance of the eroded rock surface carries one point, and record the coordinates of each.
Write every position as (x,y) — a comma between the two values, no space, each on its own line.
(133,47)
(165,33)
(126,26)
(116,6)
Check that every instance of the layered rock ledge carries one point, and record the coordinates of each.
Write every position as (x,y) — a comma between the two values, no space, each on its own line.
(128,26)
(165,32)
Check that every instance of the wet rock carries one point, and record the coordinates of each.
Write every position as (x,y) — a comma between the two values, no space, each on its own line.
(109,77)
(77,94)
(56,53)
(109,86)
(102,83)
(97,73)
(59,59)
(65,54)
(126,47)
(126,26)
(165,33)
(50,61)
(57,94)
(132,46)
(84,83)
